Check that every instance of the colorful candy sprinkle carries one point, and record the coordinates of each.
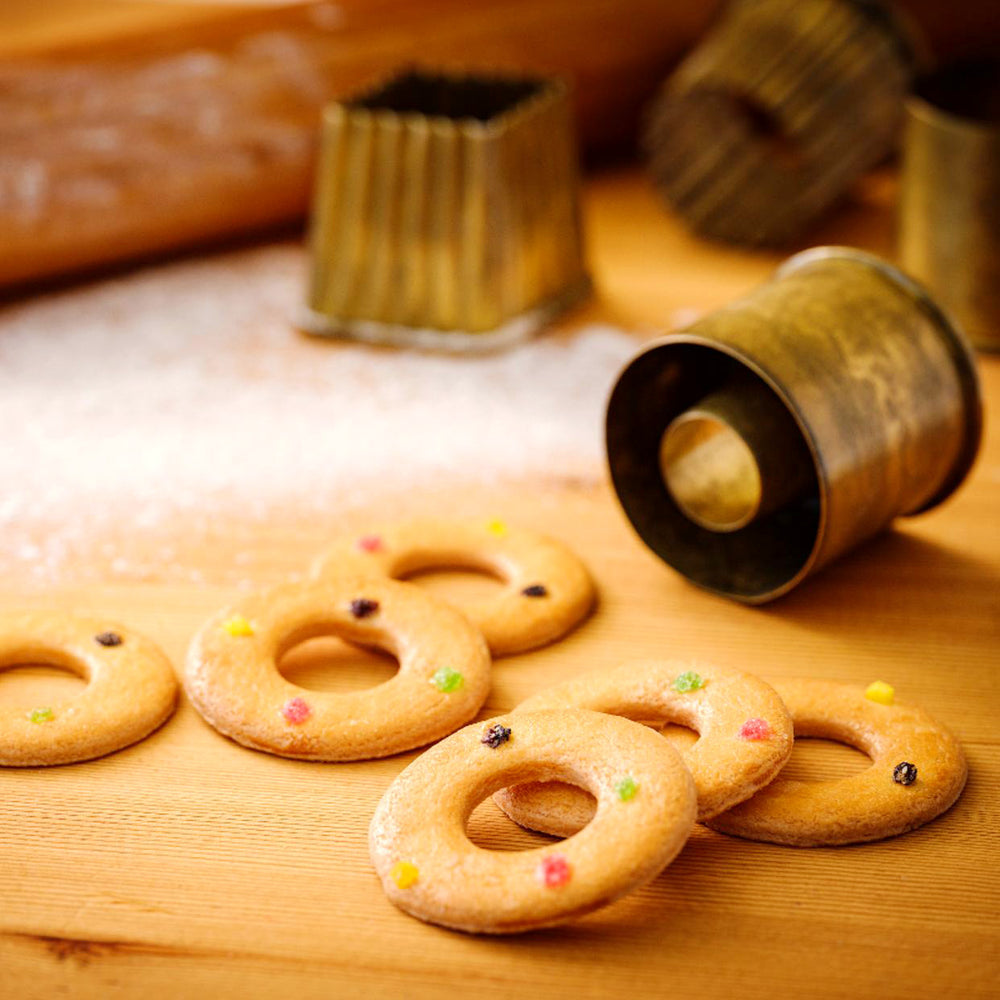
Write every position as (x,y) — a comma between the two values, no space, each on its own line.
(496,527)
(554,871)
(296,710)
(370,543)
(495,736)
(362,607)
(404,874)
(626,788)
(904,773)
(688,681)
(238,626)
(535,590)
(41,715)
(108,639)
(447,680)
(755,729)
(881,692)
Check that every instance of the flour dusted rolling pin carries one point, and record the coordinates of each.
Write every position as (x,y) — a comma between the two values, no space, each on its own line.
(148,144)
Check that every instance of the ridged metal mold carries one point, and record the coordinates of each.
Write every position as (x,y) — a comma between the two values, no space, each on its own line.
(949,206)
(856,395)
(446,213)
(779,108)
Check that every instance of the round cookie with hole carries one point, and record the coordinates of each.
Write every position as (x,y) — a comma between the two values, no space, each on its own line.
(547,589)
(431,870)
(744,735)
(232,674)
(917,772)
(131,689)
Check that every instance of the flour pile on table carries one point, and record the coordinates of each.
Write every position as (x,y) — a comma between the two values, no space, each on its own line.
(183,391)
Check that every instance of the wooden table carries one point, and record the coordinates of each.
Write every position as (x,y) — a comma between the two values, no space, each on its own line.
(188,866)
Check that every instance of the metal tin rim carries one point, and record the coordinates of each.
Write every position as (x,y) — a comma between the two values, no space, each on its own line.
(958,347)
(922,106)
(753,365)
(933,114)
(550,90)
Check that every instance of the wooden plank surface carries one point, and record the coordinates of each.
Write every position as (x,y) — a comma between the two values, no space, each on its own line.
(188,866)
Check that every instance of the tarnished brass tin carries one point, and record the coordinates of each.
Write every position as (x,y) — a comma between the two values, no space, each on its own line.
(949,208)
(446,213)
(855,393)
(780,107)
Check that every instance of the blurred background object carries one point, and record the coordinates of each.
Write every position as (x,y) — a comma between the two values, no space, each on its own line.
(129,129)
(446,212)
(134,128)
(949,208)
(786,102)
(775,113)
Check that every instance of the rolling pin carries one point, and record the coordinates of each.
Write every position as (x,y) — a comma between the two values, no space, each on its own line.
(152,143)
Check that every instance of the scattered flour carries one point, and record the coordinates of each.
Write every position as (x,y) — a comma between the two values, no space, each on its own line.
(182,393)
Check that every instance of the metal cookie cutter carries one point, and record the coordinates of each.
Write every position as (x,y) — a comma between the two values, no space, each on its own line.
(773,435)
(949,211)
(776,112)
(446,213)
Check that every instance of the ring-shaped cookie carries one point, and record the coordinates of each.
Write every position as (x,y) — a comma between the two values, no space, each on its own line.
(430,868)
(881,801)
(233,680)
(547,588)
(131,689)
(727,767)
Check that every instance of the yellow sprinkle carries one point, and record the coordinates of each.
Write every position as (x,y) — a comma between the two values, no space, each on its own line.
(881,692)
(496,527)
(238,626)
(404,874)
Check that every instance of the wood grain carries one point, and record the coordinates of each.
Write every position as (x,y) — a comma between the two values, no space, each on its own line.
(187,866)
(187,863)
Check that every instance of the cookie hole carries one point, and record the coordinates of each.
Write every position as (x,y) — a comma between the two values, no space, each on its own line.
(327,663)
(815,759)
(680,737)
(36,685)
(458,585)
(490,829)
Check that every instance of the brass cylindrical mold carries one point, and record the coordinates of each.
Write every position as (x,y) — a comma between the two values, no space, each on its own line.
(446,213)
(949,208)
(780,107)
(854,394)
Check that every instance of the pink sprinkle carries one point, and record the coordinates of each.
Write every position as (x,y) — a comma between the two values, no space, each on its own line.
(370,543)
(755,729)
(296,711)
(554,871)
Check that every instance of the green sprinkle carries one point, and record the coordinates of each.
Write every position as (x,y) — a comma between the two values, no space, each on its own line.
(626,788)
(447,680)
(41,715)
(688,681)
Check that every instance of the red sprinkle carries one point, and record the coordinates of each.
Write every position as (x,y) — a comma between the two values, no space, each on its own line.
(554,871)
(755,729)
(370,543)
(296,711)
